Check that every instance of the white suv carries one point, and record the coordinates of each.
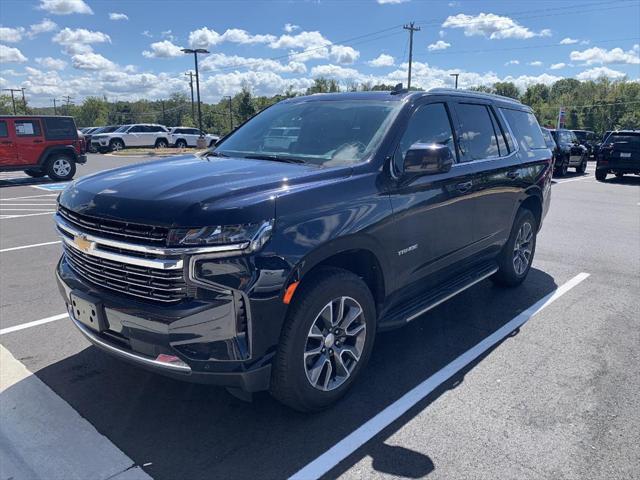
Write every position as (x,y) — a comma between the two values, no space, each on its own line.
(188,137)
(136,135)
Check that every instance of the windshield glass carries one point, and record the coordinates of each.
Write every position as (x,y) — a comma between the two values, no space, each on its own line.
(324,133)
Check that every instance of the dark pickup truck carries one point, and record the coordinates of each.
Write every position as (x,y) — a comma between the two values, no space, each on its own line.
(271,265)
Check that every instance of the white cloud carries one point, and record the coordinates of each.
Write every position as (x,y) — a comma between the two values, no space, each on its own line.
(535,63)
(218,61)
(163,49)
(118,16)
(492,26)
(512,62)
(597,55)
(568,41)
(335,71)
(168,34)
(391,2)
(78,41)
(302,40)
(44,26)
(10,54)
(382,60)
(147,33)
(11,35)
(237,35)
(558,66)
(51,63)
(65,7)
(344,54)
(290,27)
(92,61)
(203,38)
(439,45)
(597,72)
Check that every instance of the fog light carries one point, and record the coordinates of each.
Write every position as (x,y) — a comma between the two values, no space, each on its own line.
(171,359)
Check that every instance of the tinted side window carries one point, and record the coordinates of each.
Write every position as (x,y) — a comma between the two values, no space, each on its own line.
(476,132)
(3,129)
(136,129)
(61,128)
(25,128)
(155,129)
(428,124)
(178,131)
(526,129)
(194,131)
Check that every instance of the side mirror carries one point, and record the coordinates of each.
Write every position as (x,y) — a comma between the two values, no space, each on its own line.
(427,159)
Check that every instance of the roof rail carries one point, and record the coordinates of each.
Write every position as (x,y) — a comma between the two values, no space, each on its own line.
(472,92)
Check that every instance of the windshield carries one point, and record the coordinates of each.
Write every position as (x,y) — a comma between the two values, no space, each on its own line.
(323,133)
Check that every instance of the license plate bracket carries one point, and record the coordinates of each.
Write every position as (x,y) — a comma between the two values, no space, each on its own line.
(625,155)
(88,311)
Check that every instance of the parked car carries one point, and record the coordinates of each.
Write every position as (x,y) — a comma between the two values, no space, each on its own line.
(41,145)
(135,135)
(619,154)
(273,270)
(570,153)
(587,138)
(182,137)
(94,147)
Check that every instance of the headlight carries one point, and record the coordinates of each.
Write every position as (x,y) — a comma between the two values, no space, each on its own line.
(237,237)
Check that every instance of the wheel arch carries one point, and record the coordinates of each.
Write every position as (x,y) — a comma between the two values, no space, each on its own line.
(56,149)
(533,203)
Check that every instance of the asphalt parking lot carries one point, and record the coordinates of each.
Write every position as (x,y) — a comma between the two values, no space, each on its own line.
(556,398)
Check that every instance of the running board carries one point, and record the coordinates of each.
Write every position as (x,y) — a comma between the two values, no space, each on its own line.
(414,308)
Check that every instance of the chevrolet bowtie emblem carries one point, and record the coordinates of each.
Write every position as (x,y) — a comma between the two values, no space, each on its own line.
(82,243)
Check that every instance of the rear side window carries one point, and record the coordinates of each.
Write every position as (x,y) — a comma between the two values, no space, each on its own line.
(428,124)
(61,128)
(27,128)
(477,133)
(3,129)
(526,129)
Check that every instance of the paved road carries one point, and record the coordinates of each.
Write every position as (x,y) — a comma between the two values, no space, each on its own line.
(558,398)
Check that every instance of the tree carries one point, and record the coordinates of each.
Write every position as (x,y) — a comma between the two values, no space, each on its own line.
(506,89)
(246,108)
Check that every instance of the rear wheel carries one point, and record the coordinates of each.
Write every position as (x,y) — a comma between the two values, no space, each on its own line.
(181,143)
(514,262)
(619,175)
(61,167)
(35,173)
(325,342)
(601,175)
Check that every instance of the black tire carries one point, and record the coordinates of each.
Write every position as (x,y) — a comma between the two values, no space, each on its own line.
(116,145)
(507,274)
(562,169)
(619,175)
(290,383)
(601,175)
(61,167)
(162,143)
(35,173)
(181,143)
(582,167)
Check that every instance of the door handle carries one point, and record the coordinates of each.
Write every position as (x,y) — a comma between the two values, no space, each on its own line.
(513,174)
(464,187)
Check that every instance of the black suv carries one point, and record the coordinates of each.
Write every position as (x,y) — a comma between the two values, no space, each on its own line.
(587,139)
(619,154)
(569,152)
(272,265)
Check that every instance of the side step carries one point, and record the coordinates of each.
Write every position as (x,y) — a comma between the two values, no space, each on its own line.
(412,309)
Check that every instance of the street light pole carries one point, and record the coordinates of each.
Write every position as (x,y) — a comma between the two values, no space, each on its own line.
(455,75)
(195,57)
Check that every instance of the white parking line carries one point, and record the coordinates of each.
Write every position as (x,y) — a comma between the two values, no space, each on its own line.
(372,427)
(44,437)
(28,246)
(39,204)
(35,323)
(574,180)
(31,196)
(7,217)
(25,209)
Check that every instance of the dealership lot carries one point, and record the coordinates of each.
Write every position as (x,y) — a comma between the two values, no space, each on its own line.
(556,398)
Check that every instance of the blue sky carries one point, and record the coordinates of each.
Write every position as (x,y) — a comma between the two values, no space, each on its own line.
(131,49)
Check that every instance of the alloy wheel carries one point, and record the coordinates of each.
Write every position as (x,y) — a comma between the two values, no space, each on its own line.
(61,167)
(522,248)
(335,343)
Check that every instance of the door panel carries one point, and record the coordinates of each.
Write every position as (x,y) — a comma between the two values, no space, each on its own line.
(29,141)
(8,153)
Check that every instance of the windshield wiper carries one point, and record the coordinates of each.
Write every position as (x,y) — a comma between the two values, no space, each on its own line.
(275,158)
(213,153)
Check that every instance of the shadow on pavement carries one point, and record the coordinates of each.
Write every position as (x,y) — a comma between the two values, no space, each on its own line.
(27,181)
(626,180)
(184,430)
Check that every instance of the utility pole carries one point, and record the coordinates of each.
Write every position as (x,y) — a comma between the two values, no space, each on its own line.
(412,28)
(13,100)
(68,99)
(455,75)
(164,118)
(230,112)
(195,57)
(55,108)
(24,101)
(193,105)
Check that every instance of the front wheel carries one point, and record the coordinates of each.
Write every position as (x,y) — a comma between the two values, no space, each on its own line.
(601,175)
(61,167)
(514,262)
(181,144)
(326,340)
(619,175)
(162,143)
(116,145)
(582,167)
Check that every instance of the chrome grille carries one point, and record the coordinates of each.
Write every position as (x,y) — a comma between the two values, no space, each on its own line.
(129,232)
(142,282)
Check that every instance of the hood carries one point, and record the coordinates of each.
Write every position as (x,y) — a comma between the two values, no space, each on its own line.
(192,191)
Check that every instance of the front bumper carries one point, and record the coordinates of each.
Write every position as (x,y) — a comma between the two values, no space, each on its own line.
(202,334)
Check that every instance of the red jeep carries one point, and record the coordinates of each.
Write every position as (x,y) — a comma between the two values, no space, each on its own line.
(41,145)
